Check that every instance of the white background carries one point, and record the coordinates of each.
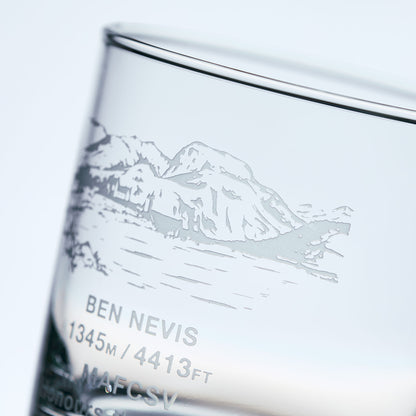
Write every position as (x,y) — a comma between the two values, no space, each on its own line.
(48,69)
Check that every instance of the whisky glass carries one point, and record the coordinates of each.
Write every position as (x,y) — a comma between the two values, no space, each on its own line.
(235,244)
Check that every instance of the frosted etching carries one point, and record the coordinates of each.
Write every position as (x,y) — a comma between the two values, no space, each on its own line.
(133,205)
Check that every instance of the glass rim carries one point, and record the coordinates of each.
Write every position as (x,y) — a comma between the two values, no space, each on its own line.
(138,43)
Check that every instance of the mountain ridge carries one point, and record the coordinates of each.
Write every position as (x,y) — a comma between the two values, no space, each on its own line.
(207,189)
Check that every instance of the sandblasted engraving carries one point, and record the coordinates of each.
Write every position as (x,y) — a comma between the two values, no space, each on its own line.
(204,206)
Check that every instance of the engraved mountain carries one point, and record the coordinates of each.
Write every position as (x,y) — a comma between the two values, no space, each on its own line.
(201,191)
(206,196)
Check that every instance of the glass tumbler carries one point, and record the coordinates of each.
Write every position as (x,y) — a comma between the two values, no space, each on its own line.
(234,245)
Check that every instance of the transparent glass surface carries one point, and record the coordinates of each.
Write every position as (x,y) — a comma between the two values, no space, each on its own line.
(233,245)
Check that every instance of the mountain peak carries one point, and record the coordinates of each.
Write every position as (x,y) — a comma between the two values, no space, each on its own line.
(198,156)
(126,151)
